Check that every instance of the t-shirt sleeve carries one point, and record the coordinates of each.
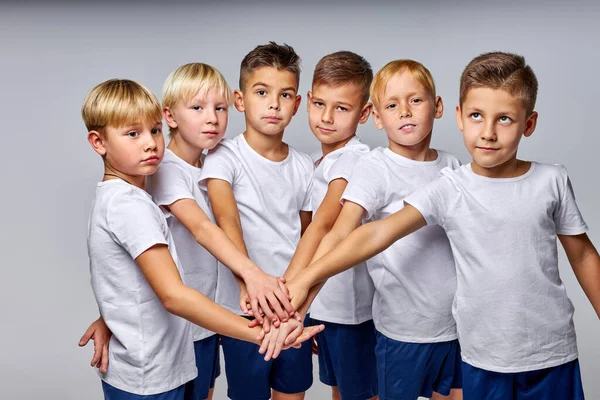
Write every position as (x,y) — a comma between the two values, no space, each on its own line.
(434,200)
(220,163)
(307,204)
(341,167)
(136,224)
(567,217)
(367,186)
(169,184)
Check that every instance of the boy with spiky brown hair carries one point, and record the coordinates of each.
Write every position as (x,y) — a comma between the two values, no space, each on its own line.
(258,188)
(503,217)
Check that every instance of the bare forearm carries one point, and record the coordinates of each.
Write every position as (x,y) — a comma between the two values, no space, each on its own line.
(225,250)
(306,249)
(363,243)
(587,271)
(200,310)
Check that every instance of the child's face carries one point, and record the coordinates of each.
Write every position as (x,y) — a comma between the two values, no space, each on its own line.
(335,112)
(493,123)
(269,100)
(202,121)
(406,110)
(135,150)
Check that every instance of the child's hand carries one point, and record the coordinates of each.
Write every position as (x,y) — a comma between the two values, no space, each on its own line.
(289,334)
(298,291)
(270,294)
(100,334)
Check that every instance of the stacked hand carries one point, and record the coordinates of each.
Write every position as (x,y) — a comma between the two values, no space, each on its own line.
(289,334)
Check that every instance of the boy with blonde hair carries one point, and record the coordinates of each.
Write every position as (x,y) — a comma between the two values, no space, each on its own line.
(503,217)
(136,275)
(258,188)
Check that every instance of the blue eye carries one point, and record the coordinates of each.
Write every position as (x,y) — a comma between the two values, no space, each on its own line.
(475,116)
(505,120)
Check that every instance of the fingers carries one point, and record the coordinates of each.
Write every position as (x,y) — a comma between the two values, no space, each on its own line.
(261,336)
(243,304)
(267,325)
(266,308)
(255,307)
(283,287)
(309,332)
(274,303)
(291,338)
(253,323)
(86,336)
(104,362)
(284,300)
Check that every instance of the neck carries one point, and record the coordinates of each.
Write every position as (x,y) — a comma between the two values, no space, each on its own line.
(419,152)
(510,169)
(270,147)
(327,148)
(185,151)
(111,173)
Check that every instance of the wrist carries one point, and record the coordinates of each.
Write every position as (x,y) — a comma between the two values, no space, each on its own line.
(250,271)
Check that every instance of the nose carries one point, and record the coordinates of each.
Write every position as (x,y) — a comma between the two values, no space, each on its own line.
(274,103)
(489,132)
(404,110)
(150,144)
(211,117)
(327,115)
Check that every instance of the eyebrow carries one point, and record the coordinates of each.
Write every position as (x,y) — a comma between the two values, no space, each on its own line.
(268,86)
(315,98)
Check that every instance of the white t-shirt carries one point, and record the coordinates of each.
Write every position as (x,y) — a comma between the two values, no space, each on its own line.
(511,308)
(269,197)
(174,180)
(346,298)
(151,351)
(415,278)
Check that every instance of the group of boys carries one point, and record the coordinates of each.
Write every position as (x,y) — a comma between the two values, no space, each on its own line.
(469,305)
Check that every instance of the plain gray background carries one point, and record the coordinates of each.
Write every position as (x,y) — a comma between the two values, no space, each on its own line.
(52,55)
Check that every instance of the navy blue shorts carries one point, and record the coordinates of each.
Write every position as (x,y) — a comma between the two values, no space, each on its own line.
(112,393)
(347,359)
(209,368)
(409,370)
(250,377)
(560,382)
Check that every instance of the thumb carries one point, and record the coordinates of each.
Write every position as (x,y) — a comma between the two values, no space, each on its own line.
(86,336)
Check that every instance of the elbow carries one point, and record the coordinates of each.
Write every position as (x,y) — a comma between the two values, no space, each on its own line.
(172,302)
(203,231)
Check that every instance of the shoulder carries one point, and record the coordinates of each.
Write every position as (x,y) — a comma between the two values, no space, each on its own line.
(448,159)
(301,159)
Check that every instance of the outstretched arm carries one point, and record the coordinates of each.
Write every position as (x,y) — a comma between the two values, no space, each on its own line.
(360,245)
(160,271)
(229,247)
(585,262)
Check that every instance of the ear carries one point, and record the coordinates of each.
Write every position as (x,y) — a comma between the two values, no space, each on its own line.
(459,118)
(377,119)
(439,107)
(297,105)
(530,124)
(97,142)
(169,118)
(309,99)
(238,96)
(364,114)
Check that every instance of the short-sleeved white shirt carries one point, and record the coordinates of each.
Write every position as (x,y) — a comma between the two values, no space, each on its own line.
(174,180)
(415,278)
(511,308)
(151,351)
(347,297)
(269,197)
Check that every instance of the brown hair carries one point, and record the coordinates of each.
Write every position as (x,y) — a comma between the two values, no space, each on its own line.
(498,70)
(118,103)
(282,57)
(344,67)
(416,69)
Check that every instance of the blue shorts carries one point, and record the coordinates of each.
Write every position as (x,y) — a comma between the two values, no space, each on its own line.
(560,382)
(112,393)
(250,377)
(347,359)
(409,370)
(209,367)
